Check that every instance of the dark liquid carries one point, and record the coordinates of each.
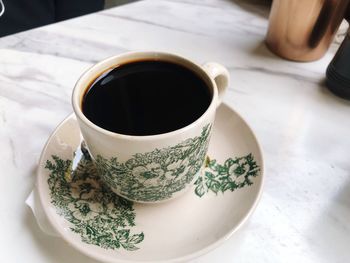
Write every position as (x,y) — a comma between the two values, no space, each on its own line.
(146,98)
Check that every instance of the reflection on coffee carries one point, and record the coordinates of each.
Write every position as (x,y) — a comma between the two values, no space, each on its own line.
(146,98)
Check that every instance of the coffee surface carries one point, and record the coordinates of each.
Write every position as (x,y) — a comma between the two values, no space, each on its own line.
(146,98)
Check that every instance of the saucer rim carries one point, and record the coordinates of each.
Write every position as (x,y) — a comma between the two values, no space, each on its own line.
(99,256)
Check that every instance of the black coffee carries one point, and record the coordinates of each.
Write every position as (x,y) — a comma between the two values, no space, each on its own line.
(146,98)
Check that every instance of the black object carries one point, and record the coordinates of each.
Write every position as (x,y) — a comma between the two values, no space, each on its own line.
(22,15)
(338,71)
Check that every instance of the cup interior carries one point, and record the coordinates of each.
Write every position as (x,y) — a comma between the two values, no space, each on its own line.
(96,71)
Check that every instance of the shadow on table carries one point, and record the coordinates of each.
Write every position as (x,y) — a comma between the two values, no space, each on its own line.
(54,249)
(258,7)
(327,93)
(261,50)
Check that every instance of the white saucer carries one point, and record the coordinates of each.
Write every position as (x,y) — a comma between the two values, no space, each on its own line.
(105,227)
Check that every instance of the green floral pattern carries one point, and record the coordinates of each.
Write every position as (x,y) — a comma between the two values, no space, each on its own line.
(156,175)
(233,174)
(97,214)
(103,219)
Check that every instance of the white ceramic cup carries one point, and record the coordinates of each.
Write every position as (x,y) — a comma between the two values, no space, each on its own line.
(150,168)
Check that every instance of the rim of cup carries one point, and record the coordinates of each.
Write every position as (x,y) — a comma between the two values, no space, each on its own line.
(91,74)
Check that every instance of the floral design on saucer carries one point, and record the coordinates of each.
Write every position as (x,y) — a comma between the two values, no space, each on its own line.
(97,214)
(106,220)
(233,174)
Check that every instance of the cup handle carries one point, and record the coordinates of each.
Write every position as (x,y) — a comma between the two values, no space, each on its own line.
(220,75)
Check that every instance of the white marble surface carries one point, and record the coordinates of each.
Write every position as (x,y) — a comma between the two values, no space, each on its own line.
(304,214)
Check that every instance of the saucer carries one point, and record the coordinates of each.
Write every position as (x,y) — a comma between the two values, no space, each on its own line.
(109,228)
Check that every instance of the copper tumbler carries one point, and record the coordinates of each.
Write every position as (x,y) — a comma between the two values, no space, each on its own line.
(303,30)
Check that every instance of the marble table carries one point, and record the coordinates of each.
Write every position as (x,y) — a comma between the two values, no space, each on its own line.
(304,213)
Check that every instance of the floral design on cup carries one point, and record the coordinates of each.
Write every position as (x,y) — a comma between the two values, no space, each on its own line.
(156,175)
(148,174)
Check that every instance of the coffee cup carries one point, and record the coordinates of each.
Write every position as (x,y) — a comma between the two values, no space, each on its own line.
(146,118)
